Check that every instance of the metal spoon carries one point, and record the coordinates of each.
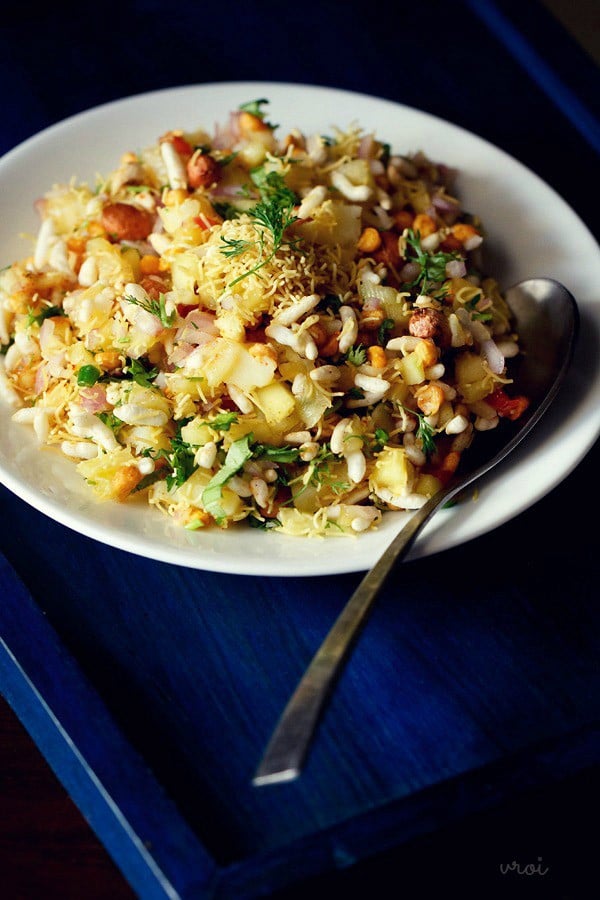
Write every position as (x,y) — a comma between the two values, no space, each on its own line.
(547,322)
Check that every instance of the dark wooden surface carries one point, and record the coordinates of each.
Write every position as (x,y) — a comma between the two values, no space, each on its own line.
(48,851)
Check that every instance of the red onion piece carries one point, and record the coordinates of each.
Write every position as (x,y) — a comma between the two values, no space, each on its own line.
(227,191)
(410,271)
(226,136)
(93,399)
(198,327)
(45,335)
(41,379)
(444,204)
(456,268)
(365,147)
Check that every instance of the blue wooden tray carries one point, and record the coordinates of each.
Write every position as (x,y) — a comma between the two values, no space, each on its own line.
(152,689)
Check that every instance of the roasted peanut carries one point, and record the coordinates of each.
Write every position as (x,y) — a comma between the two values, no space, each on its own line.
(124,222)
(174,196)
(319,334)
(249,123)
(196,518)
(331,346)
(202,170)
(450,244)
(430,323)
(96,229)
(149,264)
(468,235)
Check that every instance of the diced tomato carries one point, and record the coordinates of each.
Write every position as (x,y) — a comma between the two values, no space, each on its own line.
(184,308)
(227,403)
(507,407)
(205,222)
(256,335)
(450,244)
(282,497)
(447,467)
(367,337)
(388,253)
(403,219)
(181,145)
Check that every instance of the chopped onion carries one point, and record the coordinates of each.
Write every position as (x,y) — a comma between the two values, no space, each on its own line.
(41,379)
(456,268)
(478,330)
(410,271)
(45,335)
(493,355)
(445,204)
(365,147)
(198,328)
(93,399)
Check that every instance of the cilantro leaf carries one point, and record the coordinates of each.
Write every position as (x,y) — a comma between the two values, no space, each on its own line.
(482,316)
(47,313)
(254,107)
(276,454)
(223,421)
(264,524)
(381,438)
(235,246)
(382,331)
(357,355)
(181,460)
(142,376)
(425,433)
(238,453)
(271,215)
(331,302)
(111,421)
(433,265)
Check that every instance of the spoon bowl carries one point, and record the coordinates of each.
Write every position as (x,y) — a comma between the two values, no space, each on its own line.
(547,322)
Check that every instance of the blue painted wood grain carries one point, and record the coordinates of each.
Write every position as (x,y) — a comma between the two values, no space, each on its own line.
(448,680)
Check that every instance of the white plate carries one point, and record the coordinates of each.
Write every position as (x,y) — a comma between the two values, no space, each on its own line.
(531,232)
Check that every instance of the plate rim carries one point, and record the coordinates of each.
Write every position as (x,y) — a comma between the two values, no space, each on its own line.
(258,566)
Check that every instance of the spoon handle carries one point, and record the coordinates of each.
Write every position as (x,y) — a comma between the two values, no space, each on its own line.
(288,746)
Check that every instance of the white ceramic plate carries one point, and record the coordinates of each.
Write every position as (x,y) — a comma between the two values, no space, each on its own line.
(531,232)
